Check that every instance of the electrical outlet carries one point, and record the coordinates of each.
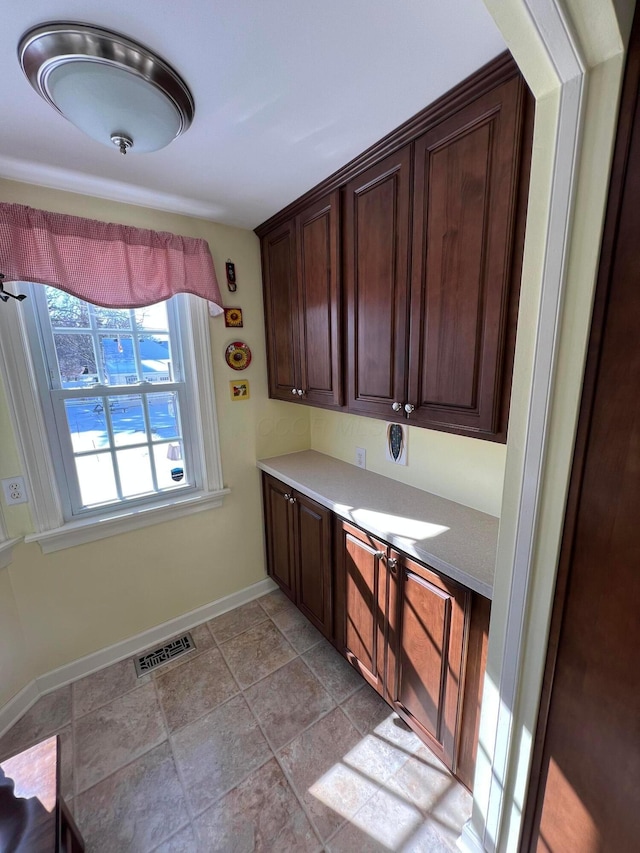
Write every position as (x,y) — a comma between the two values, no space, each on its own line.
(361,457)
(14,490)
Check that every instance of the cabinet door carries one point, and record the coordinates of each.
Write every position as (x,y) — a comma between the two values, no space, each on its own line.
(281,311)
(466,172)
(279,534)
(319,302)
(361,581)
(427,616)
(376,279)
(312,543)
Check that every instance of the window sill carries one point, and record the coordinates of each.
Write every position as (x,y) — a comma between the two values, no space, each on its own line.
(6,551)
(92,529)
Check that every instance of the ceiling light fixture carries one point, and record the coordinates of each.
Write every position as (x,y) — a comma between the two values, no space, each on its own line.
(115,90)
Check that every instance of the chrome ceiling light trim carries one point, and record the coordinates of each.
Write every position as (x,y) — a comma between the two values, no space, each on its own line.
(47,48)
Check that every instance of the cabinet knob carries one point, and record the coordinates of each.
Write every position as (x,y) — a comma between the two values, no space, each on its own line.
(396,407)
(287,496)
(292,500)
(379,555)
(392,563)
(408,408)
(294,391)
(300,392)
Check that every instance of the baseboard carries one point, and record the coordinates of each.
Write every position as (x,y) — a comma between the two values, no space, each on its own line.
(17,706)
(89,664)
(470,841)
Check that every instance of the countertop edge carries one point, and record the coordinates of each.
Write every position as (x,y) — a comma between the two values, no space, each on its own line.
(452,572)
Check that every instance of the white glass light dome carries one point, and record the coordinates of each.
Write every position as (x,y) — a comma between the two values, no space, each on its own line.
(116,91)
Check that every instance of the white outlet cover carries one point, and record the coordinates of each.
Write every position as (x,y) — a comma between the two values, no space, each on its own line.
(396,438)
(14,491)
(361,457)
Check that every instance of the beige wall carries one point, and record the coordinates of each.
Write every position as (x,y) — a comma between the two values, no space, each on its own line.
(79,600)
(466,470)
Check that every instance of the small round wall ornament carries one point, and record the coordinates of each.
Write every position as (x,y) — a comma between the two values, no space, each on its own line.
(238,355)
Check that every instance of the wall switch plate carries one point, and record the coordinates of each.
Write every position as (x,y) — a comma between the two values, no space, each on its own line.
(14,491)
(361,457)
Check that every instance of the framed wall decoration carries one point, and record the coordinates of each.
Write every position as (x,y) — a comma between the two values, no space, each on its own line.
(233,318)
(239,389)
(238,355)
(396,438)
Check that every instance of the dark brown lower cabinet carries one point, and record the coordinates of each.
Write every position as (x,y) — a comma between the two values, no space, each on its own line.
(299,554)
(416,637)
(361,595)
(426,643)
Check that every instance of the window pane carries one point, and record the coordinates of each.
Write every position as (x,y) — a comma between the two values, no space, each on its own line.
(127,420)
(111,318)
(76,360)
(135,471)
(155,357)
(65,311)
(164,416)
(152,317)
(87,424)
(96,479)
(170,468)
(118,359)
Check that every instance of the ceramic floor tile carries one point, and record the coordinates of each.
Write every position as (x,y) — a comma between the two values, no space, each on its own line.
(297,629)
(202,640)
(333,671)
(261,814)
(198,686)
(427,839)
(387,818)
(366,709)
(46,717)
(423,780)
(451,812)
(256,653)
(236,621)
(115,734)
(312,762)
(276,601)
(352,839)
(134,809)
(218,751)
(184,841)
(66,762)
(104,686)
(288,701)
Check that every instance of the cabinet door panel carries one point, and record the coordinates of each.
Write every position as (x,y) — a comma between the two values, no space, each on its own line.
(319,279)
(362,578)
(377,264)
(427,632)
(281,310)
(466,172)
(279,535)
(313,544)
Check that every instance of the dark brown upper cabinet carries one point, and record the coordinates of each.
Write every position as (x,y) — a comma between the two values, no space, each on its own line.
(376,264)
(465,193)
(431,244)
(302,306)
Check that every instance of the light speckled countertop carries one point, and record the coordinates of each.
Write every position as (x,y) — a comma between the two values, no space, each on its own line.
(458,541)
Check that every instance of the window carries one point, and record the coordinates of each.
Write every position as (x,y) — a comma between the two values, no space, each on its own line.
(125,411)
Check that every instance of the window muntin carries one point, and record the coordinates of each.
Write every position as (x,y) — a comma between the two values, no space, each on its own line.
(116,390)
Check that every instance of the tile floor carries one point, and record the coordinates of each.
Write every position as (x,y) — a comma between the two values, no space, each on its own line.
(261,739)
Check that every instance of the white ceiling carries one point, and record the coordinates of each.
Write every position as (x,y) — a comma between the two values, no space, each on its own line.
(286,92)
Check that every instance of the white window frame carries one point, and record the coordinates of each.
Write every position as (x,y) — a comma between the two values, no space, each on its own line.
(51,530)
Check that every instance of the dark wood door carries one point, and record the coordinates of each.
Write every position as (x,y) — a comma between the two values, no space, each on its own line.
(361,595)
(317,233)
(466,172)
(279,531)
(427,616)
(584,796)
(279,272)
(314,563)
(376,251)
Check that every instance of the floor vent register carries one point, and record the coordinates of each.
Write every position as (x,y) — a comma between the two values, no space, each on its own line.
(171,650)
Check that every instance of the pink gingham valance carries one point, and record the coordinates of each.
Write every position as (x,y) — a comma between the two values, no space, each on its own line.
(112,265)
